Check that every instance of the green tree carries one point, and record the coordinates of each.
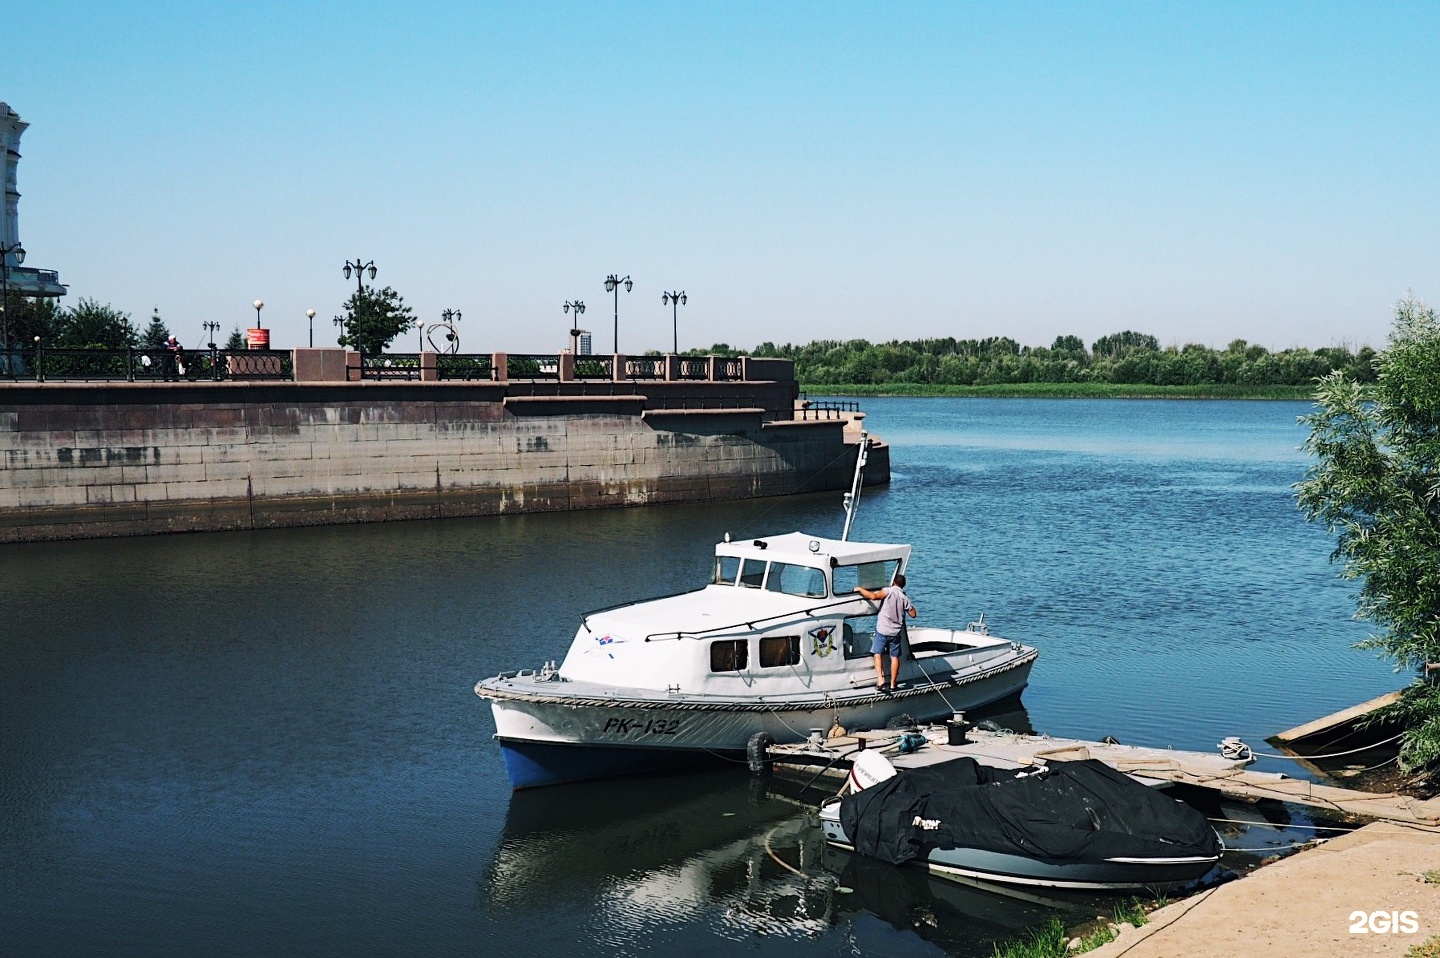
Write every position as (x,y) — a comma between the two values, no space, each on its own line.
(156,333)
(91,325)
(29,317)
(1119,345)
(236,340)
(1376,486)
(373,318)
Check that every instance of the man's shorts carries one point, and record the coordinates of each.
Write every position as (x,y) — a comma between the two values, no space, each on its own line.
(885,645)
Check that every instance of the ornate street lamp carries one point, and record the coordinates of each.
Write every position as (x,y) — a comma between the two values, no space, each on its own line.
(310,315)
(5,253)
(577,308)
(448,319)
(359,270)
(211,328)
(612,285)
(674,301)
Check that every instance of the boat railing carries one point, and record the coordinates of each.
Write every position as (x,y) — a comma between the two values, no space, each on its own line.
(751,624)
(585,619)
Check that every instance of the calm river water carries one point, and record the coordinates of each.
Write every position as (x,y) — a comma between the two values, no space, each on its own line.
(267,743)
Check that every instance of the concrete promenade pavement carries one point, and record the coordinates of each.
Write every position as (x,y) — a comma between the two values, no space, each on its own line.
(1303,905)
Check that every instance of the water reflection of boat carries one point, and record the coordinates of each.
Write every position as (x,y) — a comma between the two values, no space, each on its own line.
(935,907)
(719,851)
(778,643)
(716,848)
(598,832)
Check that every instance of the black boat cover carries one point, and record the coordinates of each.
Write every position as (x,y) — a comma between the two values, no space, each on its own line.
(1074,811)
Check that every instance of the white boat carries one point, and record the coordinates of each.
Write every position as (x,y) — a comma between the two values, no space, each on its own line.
(777,643)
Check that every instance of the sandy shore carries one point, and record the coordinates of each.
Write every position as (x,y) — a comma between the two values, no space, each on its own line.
(1304,904)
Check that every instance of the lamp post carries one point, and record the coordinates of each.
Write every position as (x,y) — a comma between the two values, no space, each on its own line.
(259,304)
(211,328)
(612,285)
(674,301)
(358,268)
(577,308)
(448,320)
(5,252)
(310,315)
(451,317)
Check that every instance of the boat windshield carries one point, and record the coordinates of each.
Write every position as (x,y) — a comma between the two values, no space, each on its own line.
(796,580)
(727,570)
(867,575)
(732,570)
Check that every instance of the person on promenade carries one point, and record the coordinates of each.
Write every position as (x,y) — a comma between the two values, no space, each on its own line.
(173,354)
(894,605)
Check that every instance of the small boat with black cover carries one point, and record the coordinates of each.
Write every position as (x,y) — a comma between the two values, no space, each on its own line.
(1077,824)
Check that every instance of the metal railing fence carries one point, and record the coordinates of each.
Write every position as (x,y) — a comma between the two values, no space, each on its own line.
(389,366)
(532,366)
(465,366)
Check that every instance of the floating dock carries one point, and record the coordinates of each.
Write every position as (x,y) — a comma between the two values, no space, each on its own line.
(830,759)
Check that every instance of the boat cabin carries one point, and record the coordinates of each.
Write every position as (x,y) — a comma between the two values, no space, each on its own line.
(808,566)
(780,610)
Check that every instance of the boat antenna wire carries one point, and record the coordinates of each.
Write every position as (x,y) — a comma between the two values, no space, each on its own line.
(852,498)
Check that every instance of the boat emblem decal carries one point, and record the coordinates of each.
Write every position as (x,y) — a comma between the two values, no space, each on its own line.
(822,641)
(608,639)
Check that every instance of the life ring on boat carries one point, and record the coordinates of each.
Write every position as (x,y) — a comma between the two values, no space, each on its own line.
(869,768)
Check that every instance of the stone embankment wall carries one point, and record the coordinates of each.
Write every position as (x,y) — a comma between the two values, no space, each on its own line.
(80,461)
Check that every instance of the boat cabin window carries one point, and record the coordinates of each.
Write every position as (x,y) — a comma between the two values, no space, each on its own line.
(729,655)
(868,575)
(752,573)
(727,570)
(859,633)
(779,650)
(796,580)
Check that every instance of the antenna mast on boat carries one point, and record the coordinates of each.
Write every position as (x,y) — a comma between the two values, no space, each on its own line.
(852,498)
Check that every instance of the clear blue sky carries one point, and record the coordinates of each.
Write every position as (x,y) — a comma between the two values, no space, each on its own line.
(1200,172)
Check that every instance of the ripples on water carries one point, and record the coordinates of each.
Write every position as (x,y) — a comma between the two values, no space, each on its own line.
(240,744)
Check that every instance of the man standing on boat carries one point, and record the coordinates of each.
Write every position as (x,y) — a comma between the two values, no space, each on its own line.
(888,624)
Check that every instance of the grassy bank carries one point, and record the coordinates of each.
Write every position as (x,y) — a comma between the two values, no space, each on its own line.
(1051,940)
(1066,391)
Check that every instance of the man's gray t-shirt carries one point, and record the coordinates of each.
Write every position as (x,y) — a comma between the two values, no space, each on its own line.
(892,611)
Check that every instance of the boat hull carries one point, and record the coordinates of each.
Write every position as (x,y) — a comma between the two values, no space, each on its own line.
(1101,875)
(553,738)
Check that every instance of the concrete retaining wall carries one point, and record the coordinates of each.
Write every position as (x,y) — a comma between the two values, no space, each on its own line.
(88,461)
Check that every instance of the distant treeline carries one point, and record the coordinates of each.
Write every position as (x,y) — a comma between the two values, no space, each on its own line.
(1127,358)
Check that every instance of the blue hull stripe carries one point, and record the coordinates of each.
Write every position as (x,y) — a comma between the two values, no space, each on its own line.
(531,764)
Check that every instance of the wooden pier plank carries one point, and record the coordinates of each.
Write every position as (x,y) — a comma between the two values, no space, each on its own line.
(1205,769)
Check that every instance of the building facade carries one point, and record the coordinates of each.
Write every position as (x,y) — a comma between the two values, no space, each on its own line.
(17,278)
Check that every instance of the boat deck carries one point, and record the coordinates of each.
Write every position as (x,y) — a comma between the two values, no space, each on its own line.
(1013,750)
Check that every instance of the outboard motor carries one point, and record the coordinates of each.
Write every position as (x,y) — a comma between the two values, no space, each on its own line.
(869,768)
